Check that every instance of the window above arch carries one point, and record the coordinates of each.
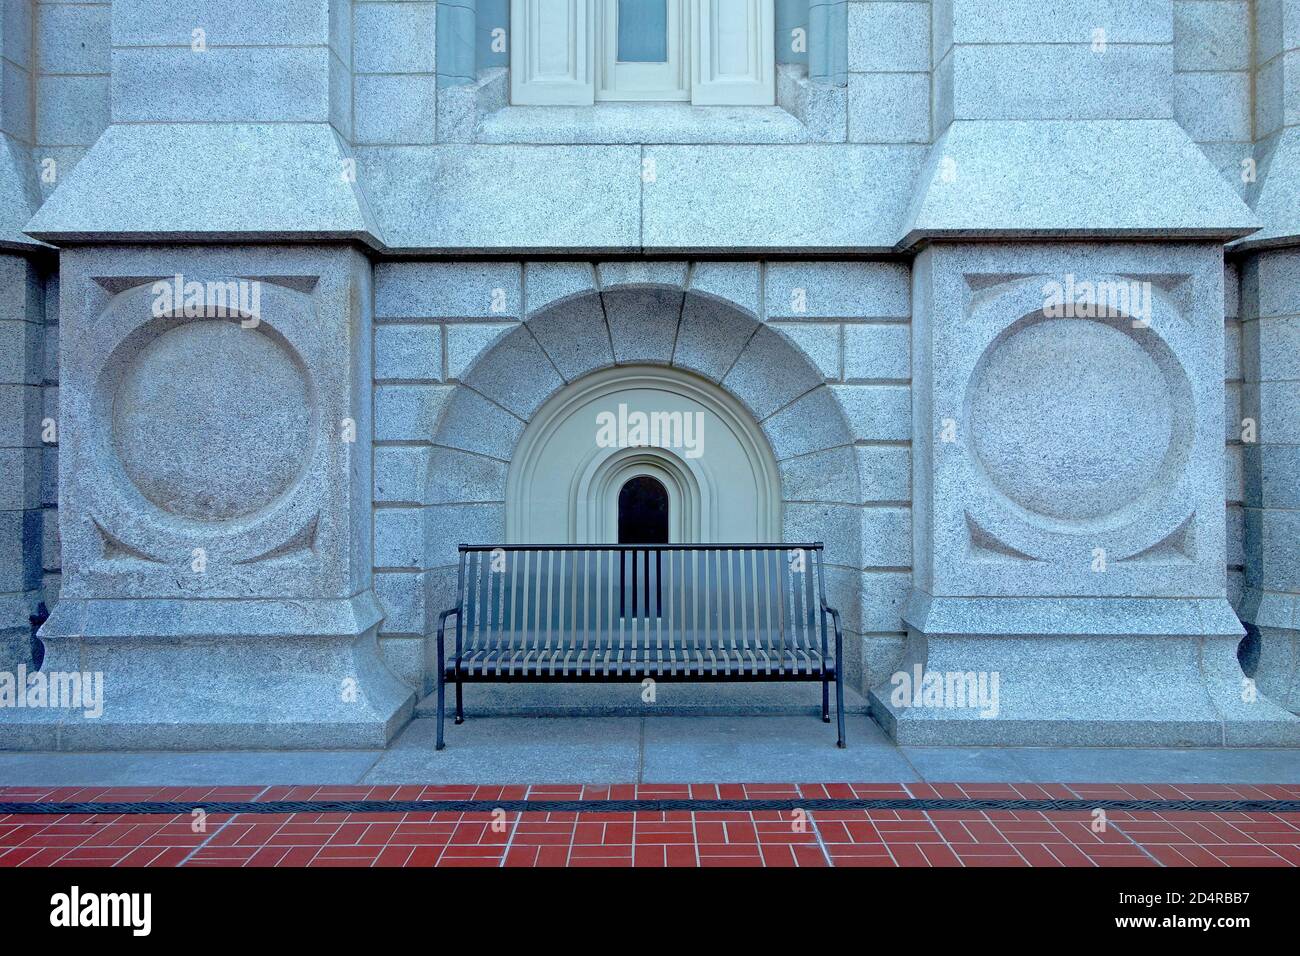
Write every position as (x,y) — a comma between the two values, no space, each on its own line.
(578,52)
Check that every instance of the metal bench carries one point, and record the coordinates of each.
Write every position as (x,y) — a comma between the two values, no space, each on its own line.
(632,612)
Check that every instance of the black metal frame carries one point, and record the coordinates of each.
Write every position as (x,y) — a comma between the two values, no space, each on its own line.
(456,673)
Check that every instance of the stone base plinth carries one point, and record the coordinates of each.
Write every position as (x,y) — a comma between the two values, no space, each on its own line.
(1276,654)
(215,674)
(1076,672)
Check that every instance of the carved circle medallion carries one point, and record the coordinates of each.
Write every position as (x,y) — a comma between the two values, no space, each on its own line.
(1071,419)
(212,421)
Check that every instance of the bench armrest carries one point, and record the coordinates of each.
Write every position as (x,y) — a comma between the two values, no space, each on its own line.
(442,626)
(839,631)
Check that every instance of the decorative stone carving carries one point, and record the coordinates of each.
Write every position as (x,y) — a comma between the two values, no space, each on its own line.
(223,457)
(1069,500)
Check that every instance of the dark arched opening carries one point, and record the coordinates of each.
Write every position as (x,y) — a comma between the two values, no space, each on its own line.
(643,511)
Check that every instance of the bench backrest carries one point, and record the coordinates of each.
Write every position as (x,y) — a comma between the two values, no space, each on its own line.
(744,596)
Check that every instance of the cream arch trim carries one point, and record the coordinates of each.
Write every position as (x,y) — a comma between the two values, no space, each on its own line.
(696,486)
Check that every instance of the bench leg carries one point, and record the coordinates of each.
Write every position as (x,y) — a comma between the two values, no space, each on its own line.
(839,710)
(442,690)
(839,680)
(460,705)
(826,700)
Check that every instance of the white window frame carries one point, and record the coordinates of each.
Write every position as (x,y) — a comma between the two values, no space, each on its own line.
(644,81)
(561,54)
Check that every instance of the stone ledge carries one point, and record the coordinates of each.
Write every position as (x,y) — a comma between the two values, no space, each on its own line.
(210,182)
(1016,179)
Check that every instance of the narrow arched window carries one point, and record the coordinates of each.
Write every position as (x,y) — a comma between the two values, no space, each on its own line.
(643,511)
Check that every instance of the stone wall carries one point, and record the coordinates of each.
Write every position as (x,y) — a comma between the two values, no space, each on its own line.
(436,323)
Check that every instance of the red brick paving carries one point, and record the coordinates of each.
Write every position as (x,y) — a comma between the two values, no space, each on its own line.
(940,838)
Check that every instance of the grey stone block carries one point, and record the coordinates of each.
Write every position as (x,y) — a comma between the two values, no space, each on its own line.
(681,214)
(411,352)
(395,110)
(21,358)
(889,108)
(447,290)
(165,84)
(16,34)
(711,336)
(331,691)
(889,37)
(634,123)
(651,274)
(71,110)
(1276,83)
(883,597)
(495,374)
(886,537)
(399,537)
(1018,178)
(812,423)
(73,38)
(829,475)
(452,525)
(405,657)
(642,323)
(737,283)
(226,22)
(401,595)
(820,343)
(407,412)
(401,474)
(766,377)
(20,290)
(20,474)
(877,412)
(549,283)
(1030,21)
(581,199)
(1212,35)
(834,524)
(1036,81)
(877,352)
(885,472)
(1145,690)
(21,426)
(1213,107)
(574,336)
(474,424)
(456,477)
(195,179)
(467,342)
(394,38)
(838,290)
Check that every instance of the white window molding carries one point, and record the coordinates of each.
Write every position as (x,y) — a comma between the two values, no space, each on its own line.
(719,53)
(552,48)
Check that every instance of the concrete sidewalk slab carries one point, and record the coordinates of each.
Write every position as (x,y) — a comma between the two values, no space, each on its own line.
(515,750)
(714,749)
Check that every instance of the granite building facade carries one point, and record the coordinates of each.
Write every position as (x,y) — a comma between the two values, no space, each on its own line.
(998,298)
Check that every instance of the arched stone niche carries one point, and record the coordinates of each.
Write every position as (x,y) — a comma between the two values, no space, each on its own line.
(642,332)
(610,426)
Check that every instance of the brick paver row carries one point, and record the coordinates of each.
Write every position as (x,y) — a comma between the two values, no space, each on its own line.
(657,839)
